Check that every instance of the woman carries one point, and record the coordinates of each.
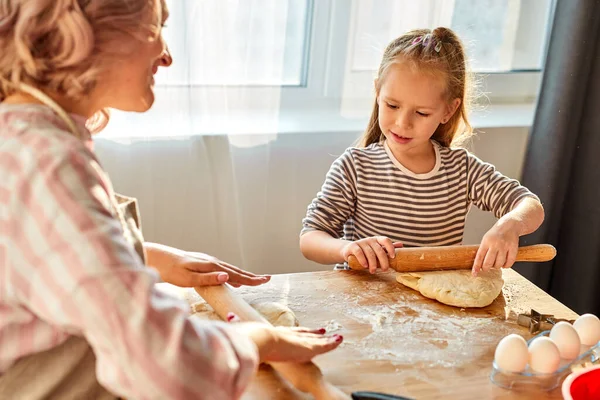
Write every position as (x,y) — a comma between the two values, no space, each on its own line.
(79,313)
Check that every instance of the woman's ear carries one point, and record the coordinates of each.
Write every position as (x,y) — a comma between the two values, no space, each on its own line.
(450,110)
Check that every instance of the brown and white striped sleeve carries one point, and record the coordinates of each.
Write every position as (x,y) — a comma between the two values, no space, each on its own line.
(335,203)
(489,190)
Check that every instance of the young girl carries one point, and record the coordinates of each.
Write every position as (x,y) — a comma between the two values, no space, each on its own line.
(79,314)
(405,184)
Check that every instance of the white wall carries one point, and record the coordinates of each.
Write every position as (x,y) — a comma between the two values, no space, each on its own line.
(245,204)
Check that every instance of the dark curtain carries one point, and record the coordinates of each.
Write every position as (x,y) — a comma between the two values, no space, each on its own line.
(562,164)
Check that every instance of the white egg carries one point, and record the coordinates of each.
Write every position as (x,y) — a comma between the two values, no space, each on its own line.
(544,357)
(511,353)
(565,337)
(588,328)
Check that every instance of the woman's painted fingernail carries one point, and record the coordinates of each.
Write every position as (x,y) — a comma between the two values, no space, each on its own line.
(222,277)
(230,316)
(322,330)
(338,338)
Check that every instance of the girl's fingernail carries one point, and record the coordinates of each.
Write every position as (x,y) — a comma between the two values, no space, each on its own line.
(222,277)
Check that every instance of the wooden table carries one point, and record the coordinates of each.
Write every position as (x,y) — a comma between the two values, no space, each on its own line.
(397,341)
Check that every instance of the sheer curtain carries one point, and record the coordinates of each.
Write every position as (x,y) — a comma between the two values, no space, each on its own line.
(243,204)
(205,162)
(231,60)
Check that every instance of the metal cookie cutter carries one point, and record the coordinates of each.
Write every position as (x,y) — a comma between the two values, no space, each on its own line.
(537,322)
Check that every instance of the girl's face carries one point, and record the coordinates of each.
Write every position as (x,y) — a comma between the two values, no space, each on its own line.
(412,104)
(128,83)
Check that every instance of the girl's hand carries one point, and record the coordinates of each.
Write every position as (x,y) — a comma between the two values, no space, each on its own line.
(498,247)
(282,344)
(372,252)
(199,269)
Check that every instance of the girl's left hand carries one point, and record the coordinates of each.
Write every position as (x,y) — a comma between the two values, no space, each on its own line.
(498,247)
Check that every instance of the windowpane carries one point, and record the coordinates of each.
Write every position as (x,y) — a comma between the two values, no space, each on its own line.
(500,35)
(503,35)
(236,42)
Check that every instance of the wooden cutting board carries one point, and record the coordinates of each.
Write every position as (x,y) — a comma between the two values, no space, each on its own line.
(397,341)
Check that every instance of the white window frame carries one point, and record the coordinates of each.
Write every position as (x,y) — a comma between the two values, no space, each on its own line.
(319,104)
(328,58)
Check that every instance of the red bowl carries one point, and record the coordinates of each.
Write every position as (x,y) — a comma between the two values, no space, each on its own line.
(582,385)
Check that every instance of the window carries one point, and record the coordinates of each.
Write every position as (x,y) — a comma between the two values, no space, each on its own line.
(237,42)
(501,35)
(505,41)
(256,65)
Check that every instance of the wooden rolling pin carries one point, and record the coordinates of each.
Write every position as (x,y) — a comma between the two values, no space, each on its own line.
(306,377)
(417,259)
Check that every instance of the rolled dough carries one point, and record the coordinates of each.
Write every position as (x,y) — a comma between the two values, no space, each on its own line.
(456,288)
(276,313)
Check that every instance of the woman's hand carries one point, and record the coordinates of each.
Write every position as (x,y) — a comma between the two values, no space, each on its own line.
(281,344)
(198,269)
(498,248)
(372,252)
(188,269)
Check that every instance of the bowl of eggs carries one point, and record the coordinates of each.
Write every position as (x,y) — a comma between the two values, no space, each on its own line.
(547,358)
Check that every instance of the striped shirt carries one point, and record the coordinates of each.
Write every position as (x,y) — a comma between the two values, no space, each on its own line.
(367,192)
(67,269)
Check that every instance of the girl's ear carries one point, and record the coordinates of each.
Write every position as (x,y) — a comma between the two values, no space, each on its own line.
(450,110)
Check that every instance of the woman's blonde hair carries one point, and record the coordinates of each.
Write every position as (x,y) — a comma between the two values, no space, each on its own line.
(439,52)
(61,45)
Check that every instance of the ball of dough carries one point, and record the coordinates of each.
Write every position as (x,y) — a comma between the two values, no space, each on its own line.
(276,313)
(456,288)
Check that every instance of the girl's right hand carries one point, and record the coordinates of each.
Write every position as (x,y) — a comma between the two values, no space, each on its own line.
(372,252)
(282,344)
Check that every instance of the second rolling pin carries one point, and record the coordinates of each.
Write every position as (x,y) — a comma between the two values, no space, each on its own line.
(306,377)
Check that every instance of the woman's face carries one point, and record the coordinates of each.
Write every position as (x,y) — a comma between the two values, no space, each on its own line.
(128,82)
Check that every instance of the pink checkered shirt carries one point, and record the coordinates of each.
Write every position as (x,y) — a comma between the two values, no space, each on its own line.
(66,269)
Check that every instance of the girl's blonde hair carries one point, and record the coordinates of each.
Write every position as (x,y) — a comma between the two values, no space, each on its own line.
(439,52)
(61,46)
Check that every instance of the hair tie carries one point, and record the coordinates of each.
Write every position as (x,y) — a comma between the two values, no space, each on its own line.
(427,40)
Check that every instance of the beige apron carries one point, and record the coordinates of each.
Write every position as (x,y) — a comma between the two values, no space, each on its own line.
(68,371)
